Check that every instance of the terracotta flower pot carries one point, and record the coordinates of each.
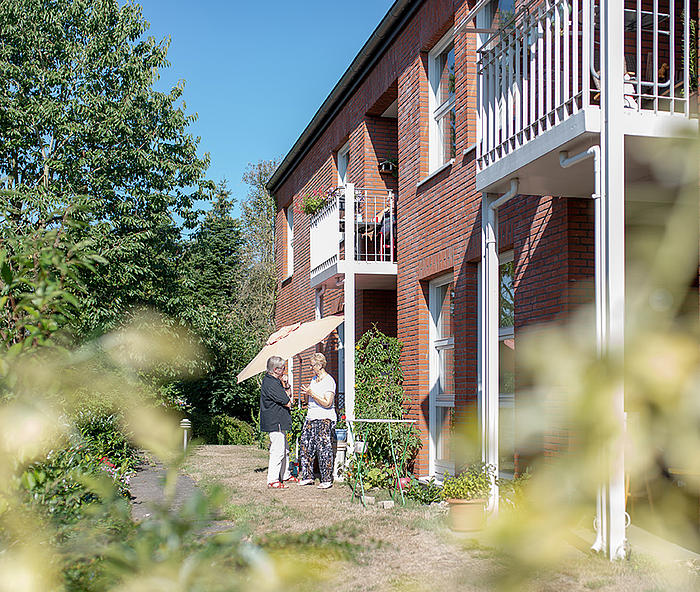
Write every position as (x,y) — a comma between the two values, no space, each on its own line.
(467,515)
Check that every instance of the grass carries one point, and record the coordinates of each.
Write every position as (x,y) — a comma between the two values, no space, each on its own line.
(321,539)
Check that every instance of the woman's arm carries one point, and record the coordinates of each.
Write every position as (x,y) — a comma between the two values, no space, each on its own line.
(324,399)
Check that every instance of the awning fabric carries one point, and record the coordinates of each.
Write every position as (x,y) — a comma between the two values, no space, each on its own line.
(289,341)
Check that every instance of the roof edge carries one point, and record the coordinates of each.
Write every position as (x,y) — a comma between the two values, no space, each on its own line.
(392,23)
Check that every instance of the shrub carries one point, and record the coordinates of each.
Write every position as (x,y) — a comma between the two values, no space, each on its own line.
(103,435)
(423,493)
(222,429)
(298,417)
(379,395)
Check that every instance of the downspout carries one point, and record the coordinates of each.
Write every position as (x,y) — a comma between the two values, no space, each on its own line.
(489,340)
(600,543)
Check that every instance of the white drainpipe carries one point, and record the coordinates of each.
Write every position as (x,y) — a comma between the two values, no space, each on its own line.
(489,299)
(604,506)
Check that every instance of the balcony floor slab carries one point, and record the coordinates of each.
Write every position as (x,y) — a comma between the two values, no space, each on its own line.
(536,163)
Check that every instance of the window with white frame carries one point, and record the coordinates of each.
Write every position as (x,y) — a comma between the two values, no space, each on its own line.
(506,363)
(343,164)
(443,116)
(442,378)
(290,241)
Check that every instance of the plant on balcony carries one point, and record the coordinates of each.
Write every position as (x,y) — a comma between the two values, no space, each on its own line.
(313,201)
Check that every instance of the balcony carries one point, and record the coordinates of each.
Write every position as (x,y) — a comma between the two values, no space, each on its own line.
(539,81)
(372,234)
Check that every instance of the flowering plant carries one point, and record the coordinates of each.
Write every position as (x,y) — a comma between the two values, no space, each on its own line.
(312,202)
(341,419)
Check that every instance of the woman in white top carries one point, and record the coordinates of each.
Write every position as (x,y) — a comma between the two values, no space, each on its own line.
(316,435)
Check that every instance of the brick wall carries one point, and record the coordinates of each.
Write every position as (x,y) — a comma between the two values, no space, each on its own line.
(438,220)
(376,308)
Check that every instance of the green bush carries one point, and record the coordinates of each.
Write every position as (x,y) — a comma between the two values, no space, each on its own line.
(103,435)
(424,493)
(379,395)
(374,474)
(222,429)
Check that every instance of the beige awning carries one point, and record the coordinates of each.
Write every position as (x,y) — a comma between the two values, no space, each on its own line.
(289,341)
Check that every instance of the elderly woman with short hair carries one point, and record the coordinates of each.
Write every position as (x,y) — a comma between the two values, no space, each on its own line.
(276,418)
(316,435)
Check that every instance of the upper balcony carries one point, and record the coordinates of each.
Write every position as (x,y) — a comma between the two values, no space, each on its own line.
(539,88)
(372,233)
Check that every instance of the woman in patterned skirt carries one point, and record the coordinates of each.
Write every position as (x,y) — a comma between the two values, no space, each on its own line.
(316,435)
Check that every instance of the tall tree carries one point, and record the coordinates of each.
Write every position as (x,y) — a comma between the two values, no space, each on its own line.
(211,274)
(79,116)
(257,308)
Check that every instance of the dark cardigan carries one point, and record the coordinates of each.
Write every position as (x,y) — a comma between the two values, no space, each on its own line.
(274,416)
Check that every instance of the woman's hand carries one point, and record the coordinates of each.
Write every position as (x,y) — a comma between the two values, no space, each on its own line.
(304,389)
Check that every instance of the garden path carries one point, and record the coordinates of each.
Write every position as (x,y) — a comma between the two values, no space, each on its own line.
(147,488)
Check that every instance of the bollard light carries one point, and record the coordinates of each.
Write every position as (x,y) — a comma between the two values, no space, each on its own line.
(186,426)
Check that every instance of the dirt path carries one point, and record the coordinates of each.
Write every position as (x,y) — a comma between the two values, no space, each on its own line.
(396,549)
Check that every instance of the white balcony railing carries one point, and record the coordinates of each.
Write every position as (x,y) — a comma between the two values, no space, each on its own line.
(325,234)
(543,67)
(374,228)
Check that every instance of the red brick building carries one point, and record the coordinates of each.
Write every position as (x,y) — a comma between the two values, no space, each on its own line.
(423,134)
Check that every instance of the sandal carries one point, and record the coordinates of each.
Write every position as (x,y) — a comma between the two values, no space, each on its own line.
(276,485)
(292,479)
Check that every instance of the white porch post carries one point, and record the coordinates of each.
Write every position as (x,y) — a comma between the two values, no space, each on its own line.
(349,295)
(613,229)
(488,301)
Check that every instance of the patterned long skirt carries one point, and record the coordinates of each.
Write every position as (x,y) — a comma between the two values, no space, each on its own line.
(315,440)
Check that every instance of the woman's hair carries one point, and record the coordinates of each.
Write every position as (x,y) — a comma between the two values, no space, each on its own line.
(318,358)
(274,362)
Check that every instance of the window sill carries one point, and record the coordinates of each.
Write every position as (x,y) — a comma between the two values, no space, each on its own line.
(469,150)
(436,172)
(287,279)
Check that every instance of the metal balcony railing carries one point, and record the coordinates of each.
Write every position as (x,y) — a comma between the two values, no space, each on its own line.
(374,228)
(543,66)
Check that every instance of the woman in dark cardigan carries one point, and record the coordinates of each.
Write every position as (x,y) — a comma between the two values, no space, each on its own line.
(276,418)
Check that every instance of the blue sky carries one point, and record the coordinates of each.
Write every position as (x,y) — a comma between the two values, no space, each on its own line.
(256,72)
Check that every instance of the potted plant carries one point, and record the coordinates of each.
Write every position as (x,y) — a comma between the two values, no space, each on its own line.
(341,429)
(314,201)
(467,494)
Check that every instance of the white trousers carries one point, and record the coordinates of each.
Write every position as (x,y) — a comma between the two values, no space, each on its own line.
(278,467)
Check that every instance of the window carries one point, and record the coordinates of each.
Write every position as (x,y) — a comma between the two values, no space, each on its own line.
(442,377)
(506,366)
(290,241)
(343,164)
(443,115)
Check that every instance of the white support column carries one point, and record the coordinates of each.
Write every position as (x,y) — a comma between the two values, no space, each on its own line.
(349,294)
(488,300)
(613,202)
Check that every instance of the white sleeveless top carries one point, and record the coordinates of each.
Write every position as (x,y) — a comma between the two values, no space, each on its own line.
(319,387)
